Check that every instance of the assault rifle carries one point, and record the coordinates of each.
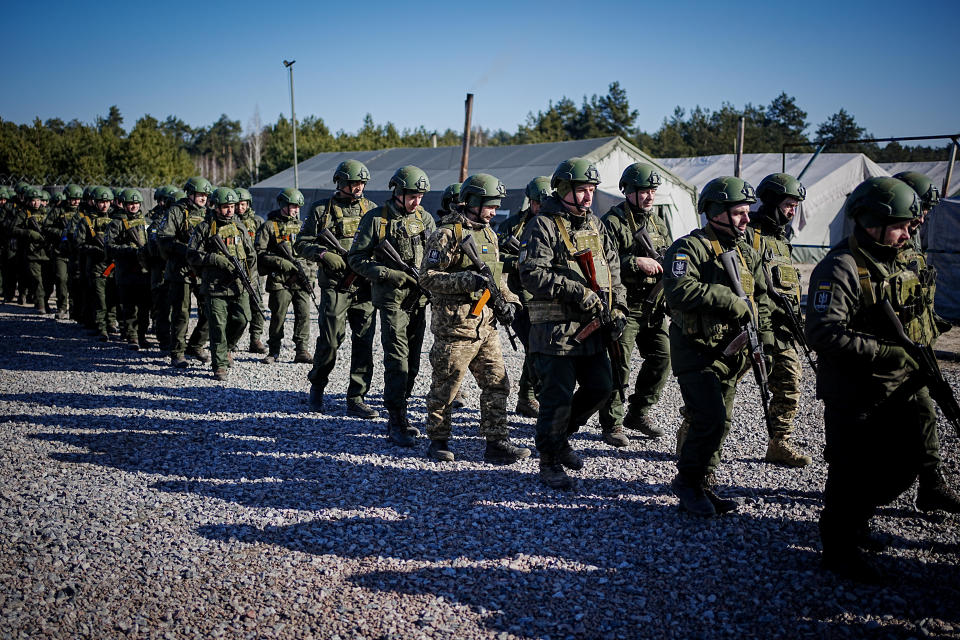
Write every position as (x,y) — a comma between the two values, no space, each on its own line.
(645,242)
(330,241)
(240,273)
(793,322)
(929,373)
(501,308)
(389,254)
(102,248)
(302,278)
(611,329)
(749,337)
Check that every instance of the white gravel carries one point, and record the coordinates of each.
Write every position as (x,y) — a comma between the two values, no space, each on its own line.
(142,502)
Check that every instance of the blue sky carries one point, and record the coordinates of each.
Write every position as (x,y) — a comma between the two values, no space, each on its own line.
(412,63)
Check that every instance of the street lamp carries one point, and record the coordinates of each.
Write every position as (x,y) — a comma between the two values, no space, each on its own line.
(293,117)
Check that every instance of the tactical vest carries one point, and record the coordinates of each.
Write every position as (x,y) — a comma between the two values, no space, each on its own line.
(407,233)
(775,253)
(904,289)
(486,242)
(249,220)
(285,229)
(232,238)
(344,222)
(660,245)
(133,230)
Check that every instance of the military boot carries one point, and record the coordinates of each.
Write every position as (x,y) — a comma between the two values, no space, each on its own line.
(178,362)
(692,497)
(780,451)
(303,356)
(528,407)
(552,473)
(198,352)
(439,450)
(720,505)
(271,358)
(614,436)
(357,408)
(221,375)
(640,421)
(850,564)
(256,346)
(397,428)
(62,315)
(934,494)
(502,451)
(682,431)
(460,401)
(411,430)
(569,458)
(316,397)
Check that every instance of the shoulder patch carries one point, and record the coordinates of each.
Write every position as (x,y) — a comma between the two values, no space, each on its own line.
(522,256)
(433,256)
(679,266)
(822,296)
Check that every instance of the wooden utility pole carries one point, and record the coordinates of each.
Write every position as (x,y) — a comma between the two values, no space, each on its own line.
(465,154)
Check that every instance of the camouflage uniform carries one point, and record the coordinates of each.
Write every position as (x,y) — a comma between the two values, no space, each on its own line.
(125,237)
(461,340)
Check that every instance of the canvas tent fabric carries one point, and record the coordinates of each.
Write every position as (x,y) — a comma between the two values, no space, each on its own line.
(515,165)
(821,223)
(935,170)
(943,251)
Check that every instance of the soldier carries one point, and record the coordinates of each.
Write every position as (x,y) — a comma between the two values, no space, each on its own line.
(252,222)
(59,225)
(224,294)
(32,245)
(563,304)
(396,293)
(642,237)
(933,493)
(279,260)
(157,265)
(448,204)
(780,194)
(125,239)
(173,239)
(98,269)
(13,279)
(707,319)
(873,415)
(509,233)
(463,338)
(344,297)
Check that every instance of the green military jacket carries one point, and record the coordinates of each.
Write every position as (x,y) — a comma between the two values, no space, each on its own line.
(846,324)
(550,273)
(278,229)
(125,238)
(91,242)
(452,279)
(513,226)
(252,222)
(342,218)
(770,241)
(216,281)
(623,224)
(173,238)
(701,300)
(407,232)
(28,228)
(57,229)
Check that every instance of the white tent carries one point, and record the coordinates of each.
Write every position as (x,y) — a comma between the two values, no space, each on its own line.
(935,170)
(832,176)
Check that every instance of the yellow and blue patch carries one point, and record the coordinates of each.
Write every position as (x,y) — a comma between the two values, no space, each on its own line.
(822,296)
(679,267)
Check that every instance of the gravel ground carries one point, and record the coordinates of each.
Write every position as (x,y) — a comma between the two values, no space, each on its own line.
(145,503)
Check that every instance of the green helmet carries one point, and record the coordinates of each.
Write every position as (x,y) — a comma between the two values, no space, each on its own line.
(720,193)
(31,192)
(351,171)
(482,190)
(410,179)
(538,189)
(44,195)
(88,191)
(243,195)
(197,184)
(451,196)
(130,195)
(223,195)
(575,170)
(160,193)
(177,195)
(101,193)
(640,175)
(776,186)
(4,192)
(72,191)
(878,202)
(923,185)
(290,196)
(19,188)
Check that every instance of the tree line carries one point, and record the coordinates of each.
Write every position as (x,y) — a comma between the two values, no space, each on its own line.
(155,152)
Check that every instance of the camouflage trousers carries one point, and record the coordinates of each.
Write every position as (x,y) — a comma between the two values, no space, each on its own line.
(784,381)
(451,358)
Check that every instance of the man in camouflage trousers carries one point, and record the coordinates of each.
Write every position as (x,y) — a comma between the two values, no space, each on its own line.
(642,237)
(465,339)
(344,297)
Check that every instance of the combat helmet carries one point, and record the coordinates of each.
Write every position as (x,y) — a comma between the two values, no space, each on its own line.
(451,196)
(482,190)
(927,191)
(879,202)
(639,175)
(721,193)
(537,189)
(409,179)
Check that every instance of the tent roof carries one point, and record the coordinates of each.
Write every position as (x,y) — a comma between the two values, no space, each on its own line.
(936,170)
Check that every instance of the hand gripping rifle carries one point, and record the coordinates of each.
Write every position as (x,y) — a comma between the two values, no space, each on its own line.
(390,255)
(645,242)
(240,273)
(929,374)
(302,278)
(501,308)
(793,322)
(749,337)
(611,329)
(330,241)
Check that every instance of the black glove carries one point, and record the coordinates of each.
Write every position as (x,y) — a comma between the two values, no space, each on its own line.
(511,244)
(619,323)
(895,357)
(505,313)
